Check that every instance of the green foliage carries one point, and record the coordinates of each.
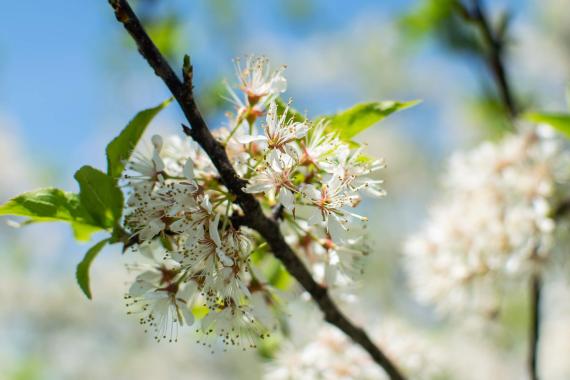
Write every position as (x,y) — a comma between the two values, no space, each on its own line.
(209,98)
(350,122)
(441,19)
(167,35)
(558,121)
(53,205)
(427,17)
(278,277)
(82,272)
(120,149)
(100,196)
(489,112)
(268,348)
(99,204)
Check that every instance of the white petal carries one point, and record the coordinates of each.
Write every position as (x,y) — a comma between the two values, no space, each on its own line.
(139,288)
(278,84)
(287,199)
(258,187)
(187,314)
(301,129)
(188,169)
(214,233)
(246,139)
(225,259)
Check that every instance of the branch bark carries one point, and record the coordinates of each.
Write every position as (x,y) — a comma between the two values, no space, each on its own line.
(534,333)
(254,216)
(495,61)
(495,44)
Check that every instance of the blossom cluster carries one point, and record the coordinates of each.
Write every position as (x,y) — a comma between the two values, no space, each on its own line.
(492,225)
(200,270)
(332,356)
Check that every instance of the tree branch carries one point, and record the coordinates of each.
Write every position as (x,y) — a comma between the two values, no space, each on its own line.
(495,61)
(253,214)
(494,43)
(534,334)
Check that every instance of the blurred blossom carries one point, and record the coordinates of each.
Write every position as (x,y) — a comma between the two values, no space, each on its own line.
(492,224)
(555,338)
(330,355)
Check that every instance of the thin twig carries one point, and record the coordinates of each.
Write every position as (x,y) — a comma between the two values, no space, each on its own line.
(494,44)
(534,333)
(253,216)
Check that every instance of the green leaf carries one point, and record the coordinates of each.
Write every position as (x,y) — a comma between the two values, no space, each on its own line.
(120,149)
(278,276)
(425,18)
(52,205)
(82,272)
(558,121)
(166,33)
(100,196)
(350,122)
(83,232)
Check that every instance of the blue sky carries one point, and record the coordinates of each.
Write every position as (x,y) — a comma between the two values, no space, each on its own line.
(66,77)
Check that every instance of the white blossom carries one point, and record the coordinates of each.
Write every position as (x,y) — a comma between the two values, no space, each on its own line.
(146,168)
(177,200)
(159,297)
(258,81)
(276,178)
(492,224)
(330,355)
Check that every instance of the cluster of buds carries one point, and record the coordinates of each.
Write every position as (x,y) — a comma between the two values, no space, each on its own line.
(201,270)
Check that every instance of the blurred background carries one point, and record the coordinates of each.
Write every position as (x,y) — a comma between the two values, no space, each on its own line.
(70,79)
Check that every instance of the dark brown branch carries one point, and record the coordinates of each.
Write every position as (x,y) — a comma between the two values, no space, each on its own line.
(494,44)
(253,214)
(562,210)
(534,333)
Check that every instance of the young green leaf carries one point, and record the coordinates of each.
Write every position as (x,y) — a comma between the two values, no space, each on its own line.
(278,277)
(350,122)
(83,232)
(82,272)
(558,121)
(120,149)
(100,196)
(52,205)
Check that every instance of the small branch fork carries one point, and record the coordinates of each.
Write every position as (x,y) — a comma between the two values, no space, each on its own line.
(253,216)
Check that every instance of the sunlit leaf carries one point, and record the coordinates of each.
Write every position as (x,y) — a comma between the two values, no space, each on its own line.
(558,121)
(426,17)
(53,205)
(440,18)
(351,122)
(100,196)
(120,149)
(83,232)
(278,276)
(82,272)
(167,35)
